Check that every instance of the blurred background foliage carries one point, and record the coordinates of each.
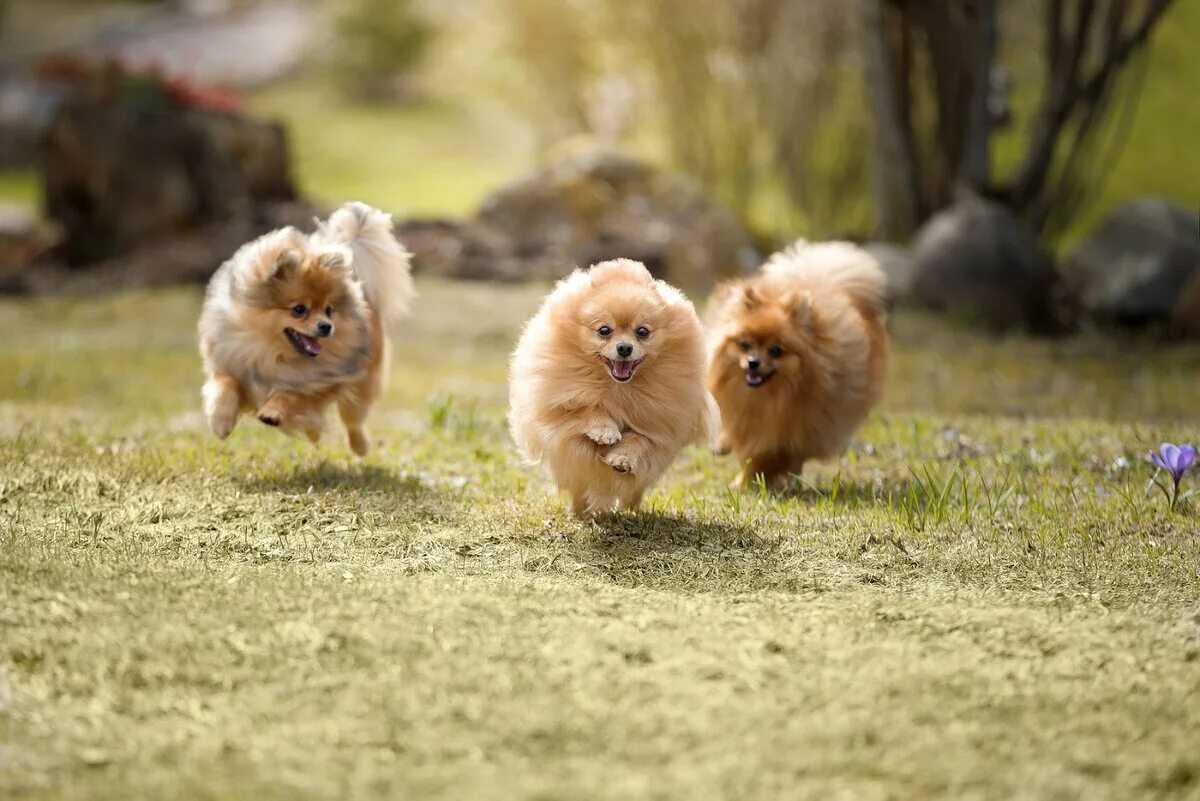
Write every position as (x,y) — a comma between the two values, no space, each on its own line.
(378,47)
(423,106)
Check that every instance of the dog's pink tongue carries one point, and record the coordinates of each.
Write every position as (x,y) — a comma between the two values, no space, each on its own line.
(314,347)
(622,369)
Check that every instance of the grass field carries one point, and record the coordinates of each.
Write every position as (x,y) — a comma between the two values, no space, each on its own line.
(983,599)
(427,158)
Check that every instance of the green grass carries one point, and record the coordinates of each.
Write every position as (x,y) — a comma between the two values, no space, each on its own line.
(19,186)
(426,158)
(982,599)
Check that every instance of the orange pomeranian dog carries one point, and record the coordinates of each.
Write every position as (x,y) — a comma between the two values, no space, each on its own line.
(798,356)
(606,385)
(293,323)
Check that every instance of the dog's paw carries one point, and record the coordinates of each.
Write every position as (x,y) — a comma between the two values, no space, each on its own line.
(270,417)
(604,434)
(359,442)
(621,462)
(222,424)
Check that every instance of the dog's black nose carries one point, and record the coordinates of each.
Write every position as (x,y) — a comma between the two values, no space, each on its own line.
(753,363)
(324,328)
(624,350)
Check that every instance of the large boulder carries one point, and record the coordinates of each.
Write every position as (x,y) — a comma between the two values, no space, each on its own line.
(976,260)
(129,159)
(592,205)
(453,248)
(1185,320)
(1141,266)
(188,257)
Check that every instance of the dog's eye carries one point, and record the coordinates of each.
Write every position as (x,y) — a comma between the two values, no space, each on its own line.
(604,331)
(328,311)
(299,310)
(775,351)
(744,345)
(642,332)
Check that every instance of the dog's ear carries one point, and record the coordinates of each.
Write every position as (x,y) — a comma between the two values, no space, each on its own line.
(746,296)
(333,260)
(800,304)
(286,264)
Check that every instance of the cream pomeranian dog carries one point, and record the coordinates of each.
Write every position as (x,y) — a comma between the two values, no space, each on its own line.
(606,385)
(798,356)
(293,323)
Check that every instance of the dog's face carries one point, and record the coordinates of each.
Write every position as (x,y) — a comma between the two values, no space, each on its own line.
(623,324)
(620,336)
(299,298)
(764,337)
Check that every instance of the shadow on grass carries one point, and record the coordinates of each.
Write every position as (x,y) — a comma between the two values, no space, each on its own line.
(401,498)
(847,493)
(332,477)
(681,553)
(655,529)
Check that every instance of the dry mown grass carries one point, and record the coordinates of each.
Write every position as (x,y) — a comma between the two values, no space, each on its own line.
(980,601)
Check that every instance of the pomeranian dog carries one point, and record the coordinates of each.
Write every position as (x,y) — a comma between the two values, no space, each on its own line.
(606,385)
(798,356)
(293,323)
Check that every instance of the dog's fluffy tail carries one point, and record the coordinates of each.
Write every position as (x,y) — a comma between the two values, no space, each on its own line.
(842,264)
(712,420)
(379,260)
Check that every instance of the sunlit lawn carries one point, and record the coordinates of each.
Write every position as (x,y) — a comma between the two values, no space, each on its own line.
(19,186)
(425,158)
(982,599)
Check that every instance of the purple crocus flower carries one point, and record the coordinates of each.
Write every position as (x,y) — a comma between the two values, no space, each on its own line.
(1175,459)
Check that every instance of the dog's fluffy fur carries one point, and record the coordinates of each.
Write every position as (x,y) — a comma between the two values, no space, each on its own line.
(606,384)
(293,323)
(798,356)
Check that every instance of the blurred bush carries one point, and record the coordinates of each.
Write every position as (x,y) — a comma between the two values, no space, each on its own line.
(728,91)
(378,47)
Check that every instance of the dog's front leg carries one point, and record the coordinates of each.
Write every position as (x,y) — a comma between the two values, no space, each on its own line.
(635,453)
(222,403)
(285,409)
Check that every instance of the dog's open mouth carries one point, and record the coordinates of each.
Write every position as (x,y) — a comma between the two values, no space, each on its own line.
(757,379)
(303,343)
(621,369)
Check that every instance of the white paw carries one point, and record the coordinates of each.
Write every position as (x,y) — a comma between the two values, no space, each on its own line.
(604,435)
(621,462)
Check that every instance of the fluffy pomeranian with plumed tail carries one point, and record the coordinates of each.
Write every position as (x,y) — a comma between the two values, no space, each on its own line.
(606,385)
(293,323)
(798,356)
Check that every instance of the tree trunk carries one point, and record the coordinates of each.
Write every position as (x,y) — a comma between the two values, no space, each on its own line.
(895,185)
(975,169)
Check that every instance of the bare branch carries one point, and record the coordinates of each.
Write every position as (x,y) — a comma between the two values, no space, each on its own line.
(1068,89)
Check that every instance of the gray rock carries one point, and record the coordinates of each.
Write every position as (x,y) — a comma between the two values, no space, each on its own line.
(593,205)
(1185,319)
(976,260)
(1139,267)
(187,257)
(125,163)
(452,248)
